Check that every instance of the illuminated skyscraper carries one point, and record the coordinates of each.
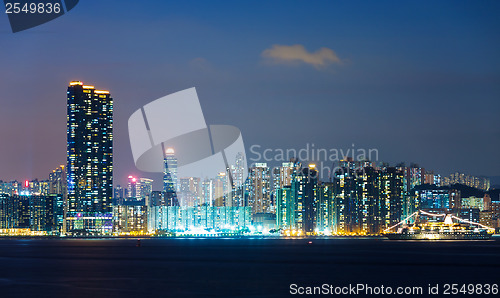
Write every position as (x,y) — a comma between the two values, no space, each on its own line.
(170,176)
(368,200)
(238,172)
(285,208)
(119,195)
(391,196)
(133,191)
(146,186)
(139,189)
(89,150)
(57,181)
(303,193)
(221,195)
(189,191)
(346,209)
(325,208)
(259,188)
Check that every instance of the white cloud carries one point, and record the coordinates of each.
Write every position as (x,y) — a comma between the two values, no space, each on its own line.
(282,54)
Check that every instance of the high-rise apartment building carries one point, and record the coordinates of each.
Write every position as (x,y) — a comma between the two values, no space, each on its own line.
(57,181)
(392,196)
(259,188)
(89,150)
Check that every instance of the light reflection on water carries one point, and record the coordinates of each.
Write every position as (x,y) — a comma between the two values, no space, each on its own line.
(232,266)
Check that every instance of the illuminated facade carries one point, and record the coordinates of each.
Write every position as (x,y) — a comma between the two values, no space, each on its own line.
(10,188)
(133,191)
(31,213)
(258,187)
(368,201)
(238,173)
(473,202)
(89,224)
(303,198)
(435,198)
(57,181)
(119,195)
(130,217)
(392,197)
(189,194)
(346,213)
(170,176)
(173,218)
(413,175)
(326,211)
(285,208)
(89,152)
(146,188)
(469,180)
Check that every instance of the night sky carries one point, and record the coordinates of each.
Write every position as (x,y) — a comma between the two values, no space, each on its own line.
(419,81)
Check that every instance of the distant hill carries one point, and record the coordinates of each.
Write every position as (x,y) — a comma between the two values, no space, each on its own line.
(467,191)
(495,194)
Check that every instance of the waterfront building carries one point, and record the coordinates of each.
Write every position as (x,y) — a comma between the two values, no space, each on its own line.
(264,222)
(303,192)
(130,217)
(174,218)
(391,196)
(285,208)
(347,219)
(89,154)
(32,213)
(326,212)
(368,201)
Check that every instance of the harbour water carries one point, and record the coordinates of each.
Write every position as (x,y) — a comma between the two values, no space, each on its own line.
(234,267)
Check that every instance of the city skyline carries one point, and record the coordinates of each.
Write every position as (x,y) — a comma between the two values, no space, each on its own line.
(272,148)
(313,154)
(385,79)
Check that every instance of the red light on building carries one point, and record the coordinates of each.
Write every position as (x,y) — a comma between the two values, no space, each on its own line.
(26,183)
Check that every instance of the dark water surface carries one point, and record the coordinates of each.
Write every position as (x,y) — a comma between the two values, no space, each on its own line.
(234,267)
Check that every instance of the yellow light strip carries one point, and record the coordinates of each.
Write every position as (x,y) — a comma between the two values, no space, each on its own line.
(88,87)
(73,83)
(101,92)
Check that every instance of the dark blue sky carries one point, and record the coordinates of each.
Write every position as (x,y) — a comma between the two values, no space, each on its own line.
(419,81)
